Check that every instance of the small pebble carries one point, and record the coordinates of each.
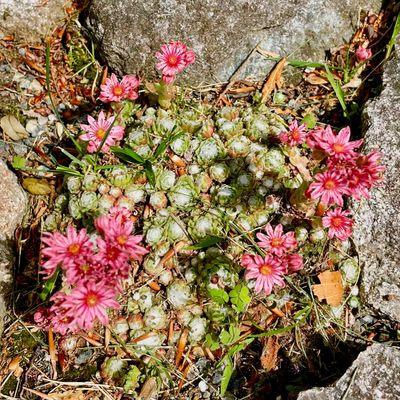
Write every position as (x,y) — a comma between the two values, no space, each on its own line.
(32,126)
(203,386)
(84,357)
(42,120)
(22,51)
(24,83)
(35,87)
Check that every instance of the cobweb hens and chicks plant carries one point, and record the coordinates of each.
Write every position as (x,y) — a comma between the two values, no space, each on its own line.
(268,195)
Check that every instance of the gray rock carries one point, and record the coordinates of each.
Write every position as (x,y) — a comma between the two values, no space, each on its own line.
(31,20)
(13,204)
(377,221)
(374,375)
(222,32)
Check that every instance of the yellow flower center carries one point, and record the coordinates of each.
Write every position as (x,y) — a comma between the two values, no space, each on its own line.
(74,248)
(100,133)
(85,268)
(266,269)
(338,148)
(276,242)
(118,90)
(336,221)
(330,184)
(91,300)
(172,60)
(295,134)
(122,239)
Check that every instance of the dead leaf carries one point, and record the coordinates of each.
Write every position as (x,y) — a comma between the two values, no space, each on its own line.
(353,84)
(315,79)
(14,363)
(36,186)
(273,79)
(68,395)
(300,162)
(149,390)
(13,128)
(330,288)
(269,353)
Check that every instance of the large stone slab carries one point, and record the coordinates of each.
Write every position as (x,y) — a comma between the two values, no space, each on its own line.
(31,20)
(377,221)
(374,375)
(222,32)
(13,205)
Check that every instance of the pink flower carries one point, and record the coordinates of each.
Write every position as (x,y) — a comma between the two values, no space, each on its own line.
(64,250)
(339,146)
(330,187)
(267,272)
(296,134)
(338,223)
(174,58)
(370,165)
(96,130)
(276,241)
(85,269)
(61,320)
(113,90)
(315,137)
(89,301)
(111,255)
(294,262)
(363,54)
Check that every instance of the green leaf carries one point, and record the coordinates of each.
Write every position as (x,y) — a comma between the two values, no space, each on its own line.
(49,285)
(226,376)
(164,144)
(18,162)
(206,242)
(218,295)
(212,341)
(310,121)
(148,169)
(127,154)
(230,336)
(337,89)
(239,296)
(66,171)
(71,156)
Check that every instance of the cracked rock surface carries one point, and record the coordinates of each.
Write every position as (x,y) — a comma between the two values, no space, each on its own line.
(374,375)
(377,221)
(13,204)
(222,33)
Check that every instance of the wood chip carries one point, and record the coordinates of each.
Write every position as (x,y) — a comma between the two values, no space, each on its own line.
(273,80)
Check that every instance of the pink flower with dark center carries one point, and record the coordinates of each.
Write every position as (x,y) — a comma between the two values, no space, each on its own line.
(363,54)
(83,270)
(339,224)
(339,146)
(276,241)
(358,184)
(174,58)
(294,262)
(297,134)
(111,255)
(96,131)
(117,215)
(61,319)
(89,301)
(316,136)
(113,90)
(330,187)
(267,271)
(64,250)
(370,165)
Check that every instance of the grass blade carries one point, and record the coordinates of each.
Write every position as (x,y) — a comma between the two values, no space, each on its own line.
(164,144)
(396,31)
(148,169)
(127,154)
(206,242)
(337,89)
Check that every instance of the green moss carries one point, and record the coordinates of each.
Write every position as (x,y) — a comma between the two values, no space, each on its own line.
(83,373)
(25,343)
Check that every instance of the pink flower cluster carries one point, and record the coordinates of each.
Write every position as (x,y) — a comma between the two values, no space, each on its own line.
(93,270)
(114,90)
(278,261)
(174,58)
(347,172)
